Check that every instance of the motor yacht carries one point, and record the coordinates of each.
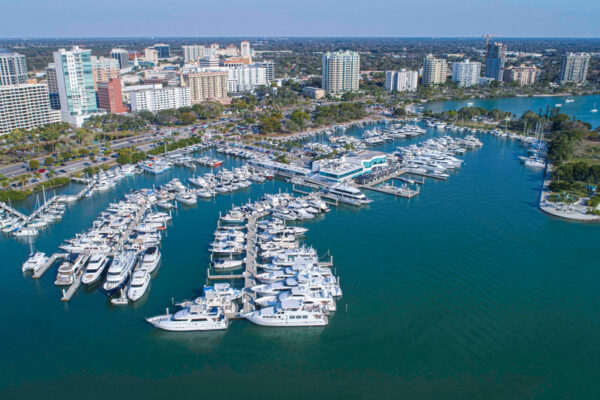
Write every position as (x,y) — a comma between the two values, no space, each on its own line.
(119,271)
(291,313)
(34,262)
(347,194)
(96,265)
(196,317)
(150,259)
(138,285)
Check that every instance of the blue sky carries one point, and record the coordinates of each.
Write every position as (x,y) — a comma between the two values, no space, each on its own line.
(420,18)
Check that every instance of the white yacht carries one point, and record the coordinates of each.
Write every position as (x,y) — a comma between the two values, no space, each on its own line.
(119,270)
(140,280)
(34,262)
(288,314)
(154,167)
(347,194)
(226,264)
(69,271)
(96,265)
(196,317)
(150,259)
(186,198)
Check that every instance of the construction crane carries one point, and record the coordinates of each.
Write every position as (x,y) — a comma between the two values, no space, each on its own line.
(487,38)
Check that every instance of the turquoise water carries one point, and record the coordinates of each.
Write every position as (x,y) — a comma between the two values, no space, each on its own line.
(465,291)
(580,107)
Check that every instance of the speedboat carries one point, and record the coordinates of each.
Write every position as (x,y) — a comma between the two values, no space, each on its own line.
(196,317)
(96,265)
(227,264)
(34,262)
(138,284)
(186,198)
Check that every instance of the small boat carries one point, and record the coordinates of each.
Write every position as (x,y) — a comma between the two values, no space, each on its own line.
(227,264)
(186,198)
(594,110)
(121,300)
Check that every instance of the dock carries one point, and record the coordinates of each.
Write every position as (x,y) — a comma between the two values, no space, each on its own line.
(248,298)
(396,191)
(379,179)
(10,210)
(42,270)
(67,294)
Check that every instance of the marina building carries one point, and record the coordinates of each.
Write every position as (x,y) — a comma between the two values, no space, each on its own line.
(13,68)
(401,81)
(25,106)
(466,73)
(122,57)
(75,84)
(191,53)
(206,86)
(495,60)
(109,96)
(435,70)
(158,99)
(52,82)
(349,167)
(524,74)
(280,168)
(574,67)
(340,71)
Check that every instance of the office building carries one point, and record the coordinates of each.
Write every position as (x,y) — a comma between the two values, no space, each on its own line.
(109,96)
(206,85)
(192,53)
(245,78)
(340,71)
(25,106)
(13,68)
(313,92)
(104,69)
(122,56)
(435,70)
(524,74)
(75,84)
(574,68)
(52,82)
(164,51)
(494,61)
(269,66)
(208,62)
(466,73)
(245,50)
(151,55)
(401,81)
(158,99)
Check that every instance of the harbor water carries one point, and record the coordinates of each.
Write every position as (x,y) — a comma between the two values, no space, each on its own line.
(465,291)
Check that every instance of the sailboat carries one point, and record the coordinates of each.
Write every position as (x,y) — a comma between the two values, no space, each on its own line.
(594,110)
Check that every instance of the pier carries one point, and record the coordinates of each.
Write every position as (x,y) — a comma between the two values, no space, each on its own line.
(8,209)
(53,258)
(67,294)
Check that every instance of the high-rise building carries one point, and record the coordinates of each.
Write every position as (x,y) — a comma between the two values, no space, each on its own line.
(340,71)
(435,70)
(122,56)
(109,96)
(206,85)
(245,78)
(75,84)
(524,74)
(13,68)
(245,51)
(164,51)
(151,55)
(494,61)
(52,82)
(574,67)
(208,62)
(25,106)
(466,73)
(104,69)
(401,81)
(269,66)
(160,99)
(192,53)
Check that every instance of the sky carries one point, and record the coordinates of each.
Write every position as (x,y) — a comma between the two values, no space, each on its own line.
(395,18)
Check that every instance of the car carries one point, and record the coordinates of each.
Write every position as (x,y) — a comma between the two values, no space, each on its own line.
(87,163)
(61,171)
(42,170)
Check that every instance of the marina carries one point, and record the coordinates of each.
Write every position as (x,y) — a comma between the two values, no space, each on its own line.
(388,287)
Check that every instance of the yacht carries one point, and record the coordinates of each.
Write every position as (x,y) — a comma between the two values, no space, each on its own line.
(196,317)
(227,264)
(96,265)
(150,259)
(119,270)
(186,198)
(154,167)
(22,232)
(34,262)
(138,284)
(69,271)
(594,110)
(290,313)
(347,194)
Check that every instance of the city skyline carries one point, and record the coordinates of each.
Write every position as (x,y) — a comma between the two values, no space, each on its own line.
(428,18)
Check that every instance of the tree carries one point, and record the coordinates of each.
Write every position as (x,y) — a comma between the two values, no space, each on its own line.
(48,161)
(34,165)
